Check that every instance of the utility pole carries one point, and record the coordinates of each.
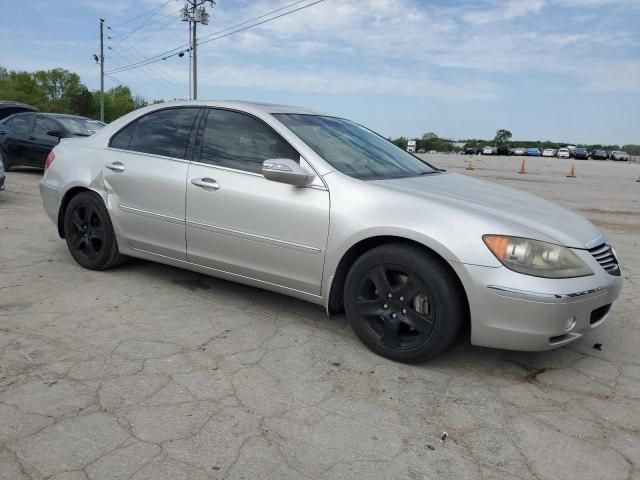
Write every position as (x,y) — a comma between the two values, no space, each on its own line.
(194,13)
(194,61)
(102,70)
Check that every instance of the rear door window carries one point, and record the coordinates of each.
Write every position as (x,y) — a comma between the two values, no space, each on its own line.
(163,132)
(22,123)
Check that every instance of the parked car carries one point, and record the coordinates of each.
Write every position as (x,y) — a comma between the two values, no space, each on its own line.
(2,176)
(487,151)
(8,108)
(241,191)
(619,155)
(599,155)
(471,151)
(564,153)
(534,152)
(27,138)
(502,151)
(549,152)
(519,151)
(581,153)
(421,150)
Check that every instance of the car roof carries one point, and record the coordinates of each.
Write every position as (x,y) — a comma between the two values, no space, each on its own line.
(246,105)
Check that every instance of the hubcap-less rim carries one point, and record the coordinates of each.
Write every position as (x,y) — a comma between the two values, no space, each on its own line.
(395,307)
(87,233)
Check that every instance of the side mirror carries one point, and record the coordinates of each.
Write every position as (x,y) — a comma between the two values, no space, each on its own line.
(285,170)
(55,133)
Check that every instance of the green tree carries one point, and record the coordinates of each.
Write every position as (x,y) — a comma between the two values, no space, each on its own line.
(502,137)
(59,86)
(429,136)
(81,102)
(400,142)
(20,87)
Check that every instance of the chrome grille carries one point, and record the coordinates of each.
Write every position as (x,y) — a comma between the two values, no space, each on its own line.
(604,256)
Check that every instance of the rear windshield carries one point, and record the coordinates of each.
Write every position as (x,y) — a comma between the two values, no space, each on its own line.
(82,127)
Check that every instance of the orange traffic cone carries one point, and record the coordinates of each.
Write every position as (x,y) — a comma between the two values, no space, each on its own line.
(523,167)
(572,171)
(469,165)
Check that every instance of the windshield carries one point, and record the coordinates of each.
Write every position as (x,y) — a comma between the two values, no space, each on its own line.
(80,126)
(353,149)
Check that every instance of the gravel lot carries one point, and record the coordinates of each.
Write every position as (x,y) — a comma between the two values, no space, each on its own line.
(150,372)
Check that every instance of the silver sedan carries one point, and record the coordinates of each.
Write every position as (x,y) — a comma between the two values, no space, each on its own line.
(323,209)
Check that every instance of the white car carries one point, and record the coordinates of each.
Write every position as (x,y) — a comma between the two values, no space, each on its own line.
(487,151)
(564,153)
(549,152)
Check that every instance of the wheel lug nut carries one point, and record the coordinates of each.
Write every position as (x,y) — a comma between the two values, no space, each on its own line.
(404,311)
(385,306)
(402,299)
(389,296)
(393,315)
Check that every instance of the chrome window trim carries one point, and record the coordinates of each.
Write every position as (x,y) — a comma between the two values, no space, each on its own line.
(547,297)
(254,174)
(254,237)
(153,215)
(153,155)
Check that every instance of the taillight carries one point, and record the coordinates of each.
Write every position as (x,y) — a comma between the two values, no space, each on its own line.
(50,158)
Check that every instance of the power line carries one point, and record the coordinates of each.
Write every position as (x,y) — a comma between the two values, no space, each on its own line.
(158,75)
(143,14)
(220,34)
(117,80)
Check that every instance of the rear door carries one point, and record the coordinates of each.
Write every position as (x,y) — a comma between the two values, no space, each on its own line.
(16,139)
(145,173)
(240,222)
(40,144)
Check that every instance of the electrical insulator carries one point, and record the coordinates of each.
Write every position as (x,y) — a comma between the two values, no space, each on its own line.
(205,18)
(184,14)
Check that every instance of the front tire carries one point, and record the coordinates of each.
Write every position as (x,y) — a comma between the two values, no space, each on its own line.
(404,303)
(89,233)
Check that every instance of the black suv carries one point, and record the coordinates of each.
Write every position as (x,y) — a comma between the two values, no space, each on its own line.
(27,138)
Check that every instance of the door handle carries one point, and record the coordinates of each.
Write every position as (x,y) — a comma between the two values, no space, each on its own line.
(3,132)
(206,182)
(31,137)
(115,167)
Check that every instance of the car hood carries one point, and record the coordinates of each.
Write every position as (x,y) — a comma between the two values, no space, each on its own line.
(498,201)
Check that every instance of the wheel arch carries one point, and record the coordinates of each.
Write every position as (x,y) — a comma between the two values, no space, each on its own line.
(335,301)
(64,203)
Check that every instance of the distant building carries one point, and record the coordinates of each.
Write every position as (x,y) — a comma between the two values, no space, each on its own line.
(411,146)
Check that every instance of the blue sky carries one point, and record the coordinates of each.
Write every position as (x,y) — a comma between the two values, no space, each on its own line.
(545,69)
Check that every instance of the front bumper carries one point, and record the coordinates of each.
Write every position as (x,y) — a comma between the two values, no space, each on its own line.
(2,182)
(519,312)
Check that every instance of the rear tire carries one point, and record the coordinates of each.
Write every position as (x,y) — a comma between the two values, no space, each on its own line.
(89,233)
(404,303)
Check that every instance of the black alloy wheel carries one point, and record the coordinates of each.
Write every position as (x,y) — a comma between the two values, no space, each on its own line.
(89,233)
(394,305)
(404,302)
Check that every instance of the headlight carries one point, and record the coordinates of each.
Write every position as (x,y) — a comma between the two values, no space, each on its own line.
(533,257)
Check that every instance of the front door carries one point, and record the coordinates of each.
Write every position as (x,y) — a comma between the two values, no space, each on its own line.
(145,173)
(242,223)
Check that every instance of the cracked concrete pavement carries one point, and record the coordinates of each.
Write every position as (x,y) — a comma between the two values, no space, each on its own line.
(150,372)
